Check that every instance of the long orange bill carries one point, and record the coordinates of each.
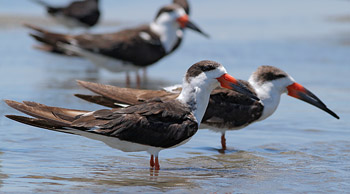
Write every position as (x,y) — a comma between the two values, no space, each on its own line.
(298,91)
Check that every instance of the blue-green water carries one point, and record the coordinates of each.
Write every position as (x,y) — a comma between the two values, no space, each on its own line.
(300,149)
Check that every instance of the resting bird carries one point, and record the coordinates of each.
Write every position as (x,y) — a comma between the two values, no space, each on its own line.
(150,126)
(227,109)
(126,50)
(83,13)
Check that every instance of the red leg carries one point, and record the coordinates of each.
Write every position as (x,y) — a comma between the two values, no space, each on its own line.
(157,167)
(127,81)
(144,74)
(223,141)
(138,80)
(151,162)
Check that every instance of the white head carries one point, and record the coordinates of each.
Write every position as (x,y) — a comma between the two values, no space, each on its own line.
(270,83)
(200,80)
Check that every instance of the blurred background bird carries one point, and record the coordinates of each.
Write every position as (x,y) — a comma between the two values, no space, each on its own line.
(297,145)
(82,13)
(127,50)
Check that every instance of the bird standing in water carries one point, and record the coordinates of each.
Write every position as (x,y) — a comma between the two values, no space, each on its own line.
(227,109)
(128,50)
(150,126)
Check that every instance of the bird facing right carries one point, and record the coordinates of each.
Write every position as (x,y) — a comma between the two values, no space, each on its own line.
(151,126)
(128,50)
(81,13)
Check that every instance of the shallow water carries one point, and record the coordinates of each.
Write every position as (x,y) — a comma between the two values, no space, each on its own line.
(300,149)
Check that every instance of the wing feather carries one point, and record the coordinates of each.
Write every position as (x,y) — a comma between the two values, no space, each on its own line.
(230,109)
(156,123)
(160,124)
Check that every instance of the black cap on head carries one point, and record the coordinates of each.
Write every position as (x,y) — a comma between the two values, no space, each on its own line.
(167,8)
(268,73)
(200,67)
(184,4)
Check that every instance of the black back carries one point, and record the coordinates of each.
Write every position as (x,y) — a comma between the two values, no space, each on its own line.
(229,109)
(157,123)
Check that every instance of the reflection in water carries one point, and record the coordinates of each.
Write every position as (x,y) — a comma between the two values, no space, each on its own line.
(183,173)
(87,72)
(2,176)
(298,150)
(264,168)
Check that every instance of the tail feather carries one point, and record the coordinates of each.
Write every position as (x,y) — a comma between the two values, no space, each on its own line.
(63,113)
(49,121)
(48,46)
(35,28)
(50,9)
(101,100)
(41,123)
(52,40)
(127,96)
(54,115)
(41,38)
(40,2)
(104,90)
(117,94)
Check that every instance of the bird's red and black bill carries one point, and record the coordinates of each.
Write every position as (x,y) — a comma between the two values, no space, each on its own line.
(229,82)
(298,91)
(185,22)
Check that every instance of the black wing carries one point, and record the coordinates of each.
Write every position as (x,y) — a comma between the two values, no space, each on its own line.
(229,109)
(86,12)
(126,45)
(157,123)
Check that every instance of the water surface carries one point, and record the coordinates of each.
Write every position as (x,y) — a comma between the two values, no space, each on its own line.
(299,149)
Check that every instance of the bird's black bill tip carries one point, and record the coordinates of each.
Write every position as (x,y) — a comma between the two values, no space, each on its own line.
(239,87)
(194,27)
(310,98)
(333,114)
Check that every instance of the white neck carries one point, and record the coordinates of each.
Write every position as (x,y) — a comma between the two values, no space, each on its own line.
(169,32)
(196,95)
(269,96)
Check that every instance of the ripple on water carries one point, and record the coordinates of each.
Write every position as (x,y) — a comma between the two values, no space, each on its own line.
(297,150)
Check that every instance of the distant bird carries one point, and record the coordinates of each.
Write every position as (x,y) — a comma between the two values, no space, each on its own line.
(150,126)
(227,109)
(126,50)
(84,13)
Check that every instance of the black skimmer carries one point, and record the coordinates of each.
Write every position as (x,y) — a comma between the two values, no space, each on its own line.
(83,13)
(126,50)
(151,126)
(227,109)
